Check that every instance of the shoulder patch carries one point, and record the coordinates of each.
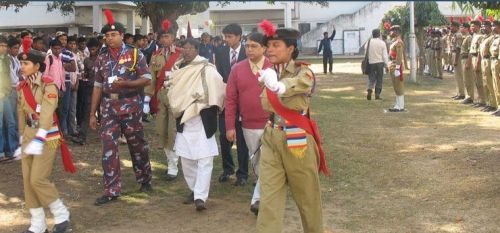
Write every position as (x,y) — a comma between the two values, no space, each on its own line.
(47,79)
(52,96)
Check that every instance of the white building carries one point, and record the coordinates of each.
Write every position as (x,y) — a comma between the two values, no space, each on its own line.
(352,20)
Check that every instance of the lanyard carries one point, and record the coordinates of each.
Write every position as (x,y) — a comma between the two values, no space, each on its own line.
(112,64)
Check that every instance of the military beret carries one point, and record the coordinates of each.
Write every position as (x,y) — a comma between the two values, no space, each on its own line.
(32,55)
(112,25)
(395,28)
(487,23)
(271,33)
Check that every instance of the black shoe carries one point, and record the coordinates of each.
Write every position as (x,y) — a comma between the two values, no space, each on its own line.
(460,97)
(255,208)
(78,141)
(200,205)
(61,227)
(105,200)
(189,199)
(468,101)
(225,177)
(240,182)
(369,94)
(496,113)
(28,231)
(169,177)
(395,110)
(146,188)
(453,97)
(377,97)
(479,105)
(491,109)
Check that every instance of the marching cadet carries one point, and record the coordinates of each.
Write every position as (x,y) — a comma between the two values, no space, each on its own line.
(477,37)
(495,64)
(488,82)
(466,63)
(40,137)
(438,53)
(456,43)
(121,71)
(161,65)
(291,153)
(397,61)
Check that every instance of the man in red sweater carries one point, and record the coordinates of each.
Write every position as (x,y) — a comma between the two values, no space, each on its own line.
(243,94)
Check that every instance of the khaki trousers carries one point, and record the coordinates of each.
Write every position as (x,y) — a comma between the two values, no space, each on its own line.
(165,122)
(468,75)
(495,71)
(439,66)
(478,77)
(459,78)
(39,191)
(433,64)
(397,84)
(489,83)
(279,169)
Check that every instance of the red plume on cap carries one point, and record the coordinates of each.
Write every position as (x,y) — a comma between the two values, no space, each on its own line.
(387,25)
(480,18)
(461,20)
(27,41)
(165,25)
(109,16)
(469,19)
(268,28)
(451,19)
(490,18)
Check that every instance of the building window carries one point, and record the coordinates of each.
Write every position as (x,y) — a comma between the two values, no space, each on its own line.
(304,28)
(319,24)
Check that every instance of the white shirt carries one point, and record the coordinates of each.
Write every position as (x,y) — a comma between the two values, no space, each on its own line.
(237,52)
(377,52)
(193,143)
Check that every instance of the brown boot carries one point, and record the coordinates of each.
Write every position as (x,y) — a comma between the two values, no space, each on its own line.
(369,94)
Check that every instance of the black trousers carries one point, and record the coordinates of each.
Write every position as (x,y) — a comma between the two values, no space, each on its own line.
(329,60)
(85,93)
(241,148)
(376,76)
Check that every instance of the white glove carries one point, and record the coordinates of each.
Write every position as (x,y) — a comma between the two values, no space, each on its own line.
(35,147)
(146,109)
(397,71)
(17,153)
(270,79)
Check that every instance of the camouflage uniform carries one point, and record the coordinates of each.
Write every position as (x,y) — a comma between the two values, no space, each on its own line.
(121,113)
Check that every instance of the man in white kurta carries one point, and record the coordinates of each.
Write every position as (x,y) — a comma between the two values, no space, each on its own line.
(196,96)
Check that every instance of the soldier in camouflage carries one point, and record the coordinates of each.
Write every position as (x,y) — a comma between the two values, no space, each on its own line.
(121,72)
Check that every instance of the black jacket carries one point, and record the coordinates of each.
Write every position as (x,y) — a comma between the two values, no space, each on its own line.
(223,60)
(325,45)
(209,119)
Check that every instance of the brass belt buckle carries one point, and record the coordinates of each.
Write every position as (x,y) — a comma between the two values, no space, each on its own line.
(113,96)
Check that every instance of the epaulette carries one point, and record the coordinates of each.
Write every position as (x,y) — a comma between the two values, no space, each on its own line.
(302,63)
(47,80)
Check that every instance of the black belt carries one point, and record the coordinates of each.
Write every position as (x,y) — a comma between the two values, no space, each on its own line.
(486,57)
(473,54)
(115,96)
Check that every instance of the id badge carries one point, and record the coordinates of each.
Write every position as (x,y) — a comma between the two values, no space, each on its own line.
(111,79)
(38,108)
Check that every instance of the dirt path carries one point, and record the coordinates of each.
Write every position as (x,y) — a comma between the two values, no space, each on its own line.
(435,168)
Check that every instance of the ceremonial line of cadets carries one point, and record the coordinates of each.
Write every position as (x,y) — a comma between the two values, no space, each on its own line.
(469,49)
(193,89)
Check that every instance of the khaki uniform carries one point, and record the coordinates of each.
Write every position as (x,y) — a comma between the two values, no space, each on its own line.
(447,58)
(478,77)
(495,64)
(165,122)
(428,53)
(39,191)
(396,57)
(488,82)
(466,64)
(279,167)
(456,44)
(437,70)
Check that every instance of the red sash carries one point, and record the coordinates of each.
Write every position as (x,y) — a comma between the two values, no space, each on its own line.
(65,152)
(302,122)
(159,83)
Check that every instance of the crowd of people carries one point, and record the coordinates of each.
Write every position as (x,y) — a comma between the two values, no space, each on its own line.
(468,48)
(250,89)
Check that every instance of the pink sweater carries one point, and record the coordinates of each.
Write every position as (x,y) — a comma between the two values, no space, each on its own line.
(243,95)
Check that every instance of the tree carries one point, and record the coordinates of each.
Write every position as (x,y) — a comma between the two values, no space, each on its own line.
(489,8)
(426,14)
(15,4)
